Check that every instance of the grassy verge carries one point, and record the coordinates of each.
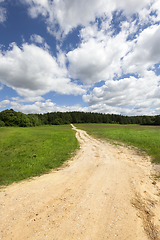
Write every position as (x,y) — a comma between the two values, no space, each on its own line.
(28,152)
(146,138)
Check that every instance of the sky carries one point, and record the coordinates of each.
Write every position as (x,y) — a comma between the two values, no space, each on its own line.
(70,55)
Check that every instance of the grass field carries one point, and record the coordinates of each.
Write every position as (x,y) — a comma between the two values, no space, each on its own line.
(146,138)
(27,152)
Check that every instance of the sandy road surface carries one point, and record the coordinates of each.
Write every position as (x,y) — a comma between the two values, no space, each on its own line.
(106,192)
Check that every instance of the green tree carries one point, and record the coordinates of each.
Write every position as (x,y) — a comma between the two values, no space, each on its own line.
(58,121)
(2,124)
(157,120)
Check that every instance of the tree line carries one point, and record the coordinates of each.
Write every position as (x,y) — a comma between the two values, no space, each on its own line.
(13,118)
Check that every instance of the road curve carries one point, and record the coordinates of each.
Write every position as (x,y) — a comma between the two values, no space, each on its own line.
(105,192)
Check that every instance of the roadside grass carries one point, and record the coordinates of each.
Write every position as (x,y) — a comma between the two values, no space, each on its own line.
(29,152)
(145,138)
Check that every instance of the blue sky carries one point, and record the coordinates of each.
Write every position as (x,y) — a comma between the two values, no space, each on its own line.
(71,55)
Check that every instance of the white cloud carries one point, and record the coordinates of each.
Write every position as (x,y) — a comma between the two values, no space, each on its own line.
(98,58)
(149,14)
(130,96)
(37,7)
(3,13)
(155,8)
(102,54)
(145,53)
(4,103)
(32,71)
(130,6)
(69,14)
(37,38)
(28,99)
(104,108)
(43,107)
(142,93)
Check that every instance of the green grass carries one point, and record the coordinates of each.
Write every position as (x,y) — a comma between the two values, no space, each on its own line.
(28,152)
(146,138)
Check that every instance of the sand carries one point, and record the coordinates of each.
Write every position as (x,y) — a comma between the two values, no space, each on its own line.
(104,192)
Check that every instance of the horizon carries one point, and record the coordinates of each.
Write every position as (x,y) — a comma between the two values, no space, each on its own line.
(84,112)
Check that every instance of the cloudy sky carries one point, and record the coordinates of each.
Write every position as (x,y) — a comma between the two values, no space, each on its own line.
(70,55)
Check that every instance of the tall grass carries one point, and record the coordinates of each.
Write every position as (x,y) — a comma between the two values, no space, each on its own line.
(146,138)
(28,152)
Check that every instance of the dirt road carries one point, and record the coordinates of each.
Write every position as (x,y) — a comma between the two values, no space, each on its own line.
(105,192)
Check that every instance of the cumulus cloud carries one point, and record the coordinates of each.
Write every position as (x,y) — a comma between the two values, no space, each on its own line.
(37,39)
(145,53)
(150,14)
(32,71)
(102,56)
(4,103)
(156,9)
(137,93)
(27,99)
(103,108)
(113,42)
(129,96)
(43,107)
(130,7)
(37,7)
(99,56)
(68,14)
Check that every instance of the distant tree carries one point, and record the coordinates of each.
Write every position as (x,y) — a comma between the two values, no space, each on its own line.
(24,121)
(157,120)
(58,121)
(43,118)
(34,119)
(13,118)
(66,118)
(2,124)
(146,120)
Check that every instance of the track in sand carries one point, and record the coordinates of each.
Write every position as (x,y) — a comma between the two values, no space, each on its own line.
(105,192)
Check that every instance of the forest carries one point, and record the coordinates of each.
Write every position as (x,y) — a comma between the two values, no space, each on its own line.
(13,118)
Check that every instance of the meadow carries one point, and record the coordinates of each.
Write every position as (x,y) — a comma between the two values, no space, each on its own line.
(33,151)
(29,152)
(145,138)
